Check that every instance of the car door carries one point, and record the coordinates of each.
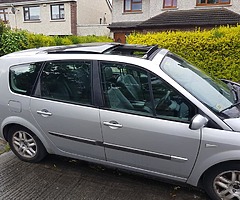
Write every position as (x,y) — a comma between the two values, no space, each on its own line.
(62,106)
(145,123)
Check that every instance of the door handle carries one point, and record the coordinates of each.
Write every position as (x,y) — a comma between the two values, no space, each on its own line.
(113,124)
(44,113)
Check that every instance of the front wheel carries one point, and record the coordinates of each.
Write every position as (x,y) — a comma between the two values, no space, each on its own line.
(223,182)
(26,145)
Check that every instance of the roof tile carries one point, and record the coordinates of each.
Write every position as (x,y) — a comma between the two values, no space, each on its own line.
(193,17)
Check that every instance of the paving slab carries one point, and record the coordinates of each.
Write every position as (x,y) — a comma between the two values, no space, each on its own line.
(62,178)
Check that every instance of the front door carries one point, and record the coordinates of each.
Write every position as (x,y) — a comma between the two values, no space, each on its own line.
(145,123)
(62,107)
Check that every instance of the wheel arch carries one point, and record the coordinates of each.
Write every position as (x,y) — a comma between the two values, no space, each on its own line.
(217,165)
(204,164)
(17,121)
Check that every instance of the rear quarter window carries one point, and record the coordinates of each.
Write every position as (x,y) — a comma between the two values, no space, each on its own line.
(23,77)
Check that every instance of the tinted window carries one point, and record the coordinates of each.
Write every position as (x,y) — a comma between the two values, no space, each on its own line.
(67,81)
(169,103)
(130,89)
(23,77)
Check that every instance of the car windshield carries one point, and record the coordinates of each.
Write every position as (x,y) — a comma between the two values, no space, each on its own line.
(215,94)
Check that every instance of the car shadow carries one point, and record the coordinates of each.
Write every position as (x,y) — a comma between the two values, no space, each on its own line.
(118,183)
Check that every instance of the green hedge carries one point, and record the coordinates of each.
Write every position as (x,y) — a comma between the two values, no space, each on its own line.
(16,40)
(12,41)
(217,51)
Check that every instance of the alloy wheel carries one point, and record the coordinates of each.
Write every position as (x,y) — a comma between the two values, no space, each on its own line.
(24,144)
(227,185)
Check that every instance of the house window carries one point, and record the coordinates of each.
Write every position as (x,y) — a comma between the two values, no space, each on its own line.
(169,3)
(57,11)
(4,15)
(132,5)
(212,2)
(31,13)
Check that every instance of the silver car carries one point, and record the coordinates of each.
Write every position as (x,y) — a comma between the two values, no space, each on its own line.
(140,108)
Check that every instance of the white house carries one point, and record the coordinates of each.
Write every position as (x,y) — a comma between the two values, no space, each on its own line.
(58,17)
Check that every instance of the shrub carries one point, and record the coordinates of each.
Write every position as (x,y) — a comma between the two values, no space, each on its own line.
(217,51)
(13,40)
(2,27)
(66,41)
(73,39)
(92,38)
(39,40)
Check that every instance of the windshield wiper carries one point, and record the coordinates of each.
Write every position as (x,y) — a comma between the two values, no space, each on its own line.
(234,87)
(229,107)
(234,91)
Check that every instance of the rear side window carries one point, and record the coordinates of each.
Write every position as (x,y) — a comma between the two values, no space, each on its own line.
(22,77)
(68,81)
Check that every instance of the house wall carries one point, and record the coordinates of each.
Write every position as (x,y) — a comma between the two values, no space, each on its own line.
(90,12)
(45,25)
(95,29)
(93,17)
(120,16)
(235,6)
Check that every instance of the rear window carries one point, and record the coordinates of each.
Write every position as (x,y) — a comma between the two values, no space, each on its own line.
(22,77)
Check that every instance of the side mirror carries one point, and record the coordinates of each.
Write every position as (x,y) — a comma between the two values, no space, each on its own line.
(197,122)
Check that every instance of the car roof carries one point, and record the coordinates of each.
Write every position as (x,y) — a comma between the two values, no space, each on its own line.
(145,52)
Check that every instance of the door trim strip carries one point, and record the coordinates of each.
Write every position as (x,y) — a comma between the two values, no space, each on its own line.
(137,151)
(74,138)
(120,148)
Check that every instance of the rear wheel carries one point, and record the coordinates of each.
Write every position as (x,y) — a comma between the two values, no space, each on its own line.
(223,182)
(26,145)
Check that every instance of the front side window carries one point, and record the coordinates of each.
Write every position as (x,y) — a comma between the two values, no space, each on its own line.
(125,88)
(4,15)
(169,3)
(67,81)
(132,5)
(23,77)
(133,90)
(212,2)
(170,104)
(57,11)
(31,13)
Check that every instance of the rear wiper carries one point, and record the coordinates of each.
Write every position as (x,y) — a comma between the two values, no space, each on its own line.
(229,107)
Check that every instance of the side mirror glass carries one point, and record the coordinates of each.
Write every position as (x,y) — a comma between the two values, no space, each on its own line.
(197,122)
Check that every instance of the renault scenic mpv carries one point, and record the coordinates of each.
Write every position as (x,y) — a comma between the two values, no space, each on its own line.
(139,108)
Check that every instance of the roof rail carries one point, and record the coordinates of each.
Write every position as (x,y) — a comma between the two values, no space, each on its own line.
(149,53)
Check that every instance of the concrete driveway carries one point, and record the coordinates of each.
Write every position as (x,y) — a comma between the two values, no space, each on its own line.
(62,178)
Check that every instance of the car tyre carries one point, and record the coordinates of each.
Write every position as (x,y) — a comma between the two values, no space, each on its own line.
(26,145)
(223,182)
